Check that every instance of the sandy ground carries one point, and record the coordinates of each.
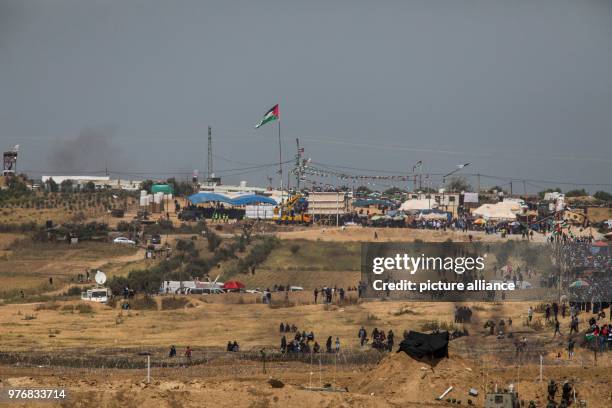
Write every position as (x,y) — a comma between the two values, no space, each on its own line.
(359,234)
(52,344)
(396,381)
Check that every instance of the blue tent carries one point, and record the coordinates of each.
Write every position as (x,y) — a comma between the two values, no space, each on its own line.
(252,199)
(205,197)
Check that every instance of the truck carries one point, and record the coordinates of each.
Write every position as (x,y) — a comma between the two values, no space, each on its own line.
(293,211)
(100,295)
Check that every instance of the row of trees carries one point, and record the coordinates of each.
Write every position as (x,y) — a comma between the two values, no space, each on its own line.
(180,188)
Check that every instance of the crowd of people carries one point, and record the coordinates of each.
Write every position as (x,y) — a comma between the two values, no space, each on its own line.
(379,340)
(329,294)
(463,314)
(303,342)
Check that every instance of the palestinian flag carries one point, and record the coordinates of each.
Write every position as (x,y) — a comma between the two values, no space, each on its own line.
(272,114)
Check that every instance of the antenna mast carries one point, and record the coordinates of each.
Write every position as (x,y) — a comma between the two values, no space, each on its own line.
(210,158)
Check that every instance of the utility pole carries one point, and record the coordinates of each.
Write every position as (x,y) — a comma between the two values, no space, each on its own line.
(298,165)
(510,188)
(478,183)
(210,154)
(524,188)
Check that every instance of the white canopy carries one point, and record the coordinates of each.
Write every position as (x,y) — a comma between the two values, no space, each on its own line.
(433,216)
(422,204)
(502,211)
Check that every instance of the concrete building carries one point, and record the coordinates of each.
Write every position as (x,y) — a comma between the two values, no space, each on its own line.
(101,182)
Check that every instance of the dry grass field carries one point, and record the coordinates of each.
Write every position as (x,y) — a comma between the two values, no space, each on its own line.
(58,331)
(27,265)
(48,340)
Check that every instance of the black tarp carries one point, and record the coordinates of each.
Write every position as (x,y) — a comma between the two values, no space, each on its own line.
(419,345)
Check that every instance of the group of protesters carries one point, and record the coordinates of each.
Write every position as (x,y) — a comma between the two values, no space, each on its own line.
(463,314)
(329,294)
(380,340)
(304,342)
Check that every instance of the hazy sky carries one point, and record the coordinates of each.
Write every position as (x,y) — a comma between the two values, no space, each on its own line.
(520,89)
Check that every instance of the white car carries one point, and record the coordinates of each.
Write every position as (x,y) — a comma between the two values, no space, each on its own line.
(123,240)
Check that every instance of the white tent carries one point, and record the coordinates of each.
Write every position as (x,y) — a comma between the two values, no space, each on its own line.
(433,216)
(422,204)
(502,211)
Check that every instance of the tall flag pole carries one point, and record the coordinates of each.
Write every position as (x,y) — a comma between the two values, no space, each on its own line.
(280,163)
(269,116)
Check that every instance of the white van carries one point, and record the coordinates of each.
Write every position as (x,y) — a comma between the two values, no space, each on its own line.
(100,295)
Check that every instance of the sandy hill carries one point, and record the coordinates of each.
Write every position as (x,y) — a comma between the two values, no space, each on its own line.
(401,377)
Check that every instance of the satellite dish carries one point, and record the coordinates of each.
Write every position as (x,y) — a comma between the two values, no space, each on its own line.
(100,278)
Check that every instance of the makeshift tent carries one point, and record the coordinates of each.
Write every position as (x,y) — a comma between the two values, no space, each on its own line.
(419,345)
(252,199)
(204,197)
(502,211)
(422,204)
(433,216)
(479,221)
(161,188)
(233,285)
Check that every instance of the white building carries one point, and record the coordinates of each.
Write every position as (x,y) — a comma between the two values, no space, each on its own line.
(99,181)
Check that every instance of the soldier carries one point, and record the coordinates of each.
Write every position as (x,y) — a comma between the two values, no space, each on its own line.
(532,404)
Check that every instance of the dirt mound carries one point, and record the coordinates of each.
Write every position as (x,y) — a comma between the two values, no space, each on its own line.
(400,376)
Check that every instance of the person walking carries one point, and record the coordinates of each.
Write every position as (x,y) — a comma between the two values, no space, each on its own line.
(362,336)
(557,325)
(529,315)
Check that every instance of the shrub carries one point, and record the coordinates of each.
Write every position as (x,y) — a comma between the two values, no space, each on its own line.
(74,291)
(123,226)
(143,303)
(47,306)
(295,248)
(185,246)
(170,303)
(84,308)
(213,239)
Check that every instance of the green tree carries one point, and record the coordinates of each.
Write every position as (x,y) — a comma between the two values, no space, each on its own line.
(390,192)
(577,193)
(66,186)
(603,196)
(51,185)
(363,190)
(146,185)
(89,187)
(181,188)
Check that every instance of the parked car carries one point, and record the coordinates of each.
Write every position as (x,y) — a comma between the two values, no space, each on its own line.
(124,241)
(156,239)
